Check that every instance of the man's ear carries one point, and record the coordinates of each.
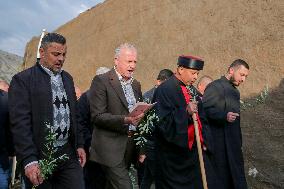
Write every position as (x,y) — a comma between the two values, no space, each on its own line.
(158,82)
(179,70)
(231,71)
(41,52)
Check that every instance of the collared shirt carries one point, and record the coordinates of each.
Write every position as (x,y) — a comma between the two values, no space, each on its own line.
(128,93)
(61,110)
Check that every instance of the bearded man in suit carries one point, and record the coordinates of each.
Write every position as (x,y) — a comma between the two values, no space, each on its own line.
(40,96)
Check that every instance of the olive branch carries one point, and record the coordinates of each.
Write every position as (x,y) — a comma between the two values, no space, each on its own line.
(49,163)
(146,125)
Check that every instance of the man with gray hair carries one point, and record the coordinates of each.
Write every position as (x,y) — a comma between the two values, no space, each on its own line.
(112,95)
(202,84)
(102,70)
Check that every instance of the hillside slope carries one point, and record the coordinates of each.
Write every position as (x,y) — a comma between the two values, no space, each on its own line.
(10,64)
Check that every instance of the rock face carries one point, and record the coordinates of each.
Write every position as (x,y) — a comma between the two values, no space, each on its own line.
(218,31)
(10,64)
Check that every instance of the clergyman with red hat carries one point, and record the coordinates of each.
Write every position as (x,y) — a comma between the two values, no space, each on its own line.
(176,149)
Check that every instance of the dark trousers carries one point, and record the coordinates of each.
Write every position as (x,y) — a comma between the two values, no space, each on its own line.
(149,173)
(94,176)
(68,175)
(140,172)
(117,177)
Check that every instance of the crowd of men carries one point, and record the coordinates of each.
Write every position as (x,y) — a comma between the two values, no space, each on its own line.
(97,133)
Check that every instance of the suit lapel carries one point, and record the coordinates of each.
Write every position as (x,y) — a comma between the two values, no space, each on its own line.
(136,91)
(115,83)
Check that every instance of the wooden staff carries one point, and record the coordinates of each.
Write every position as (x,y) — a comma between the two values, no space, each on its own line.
(39,44)
(13,170)
(200,155)
(37,52)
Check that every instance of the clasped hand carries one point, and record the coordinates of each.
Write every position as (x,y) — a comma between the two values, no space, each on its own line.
(33,173)
(192,107)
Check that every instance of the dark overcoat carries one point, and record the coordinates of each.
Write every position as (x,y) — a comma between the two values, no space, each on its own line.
(220,98)
(84,119)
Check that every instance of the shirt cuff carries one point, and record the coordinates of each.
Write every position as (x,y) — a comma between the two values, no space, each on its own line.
(132,128)
(31,163)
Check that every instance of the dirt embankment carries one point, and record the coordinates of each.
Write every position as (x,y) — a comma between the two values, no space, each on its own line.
(218,31)
(263,139)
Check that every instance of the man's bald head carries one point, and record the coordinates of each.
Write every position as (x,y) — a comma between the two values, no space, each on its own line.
(203,82)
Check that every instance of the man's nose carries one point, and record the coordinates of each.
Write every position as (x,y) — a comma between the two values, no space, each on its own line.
(60,57)
(132,64)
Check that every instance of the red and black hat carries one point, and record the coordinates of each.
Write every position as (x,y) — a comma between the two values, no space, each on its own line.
(190,62)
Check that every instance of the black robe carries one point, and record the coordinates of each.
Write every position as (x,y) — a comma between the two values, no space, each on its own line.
(178,166)
(220,98)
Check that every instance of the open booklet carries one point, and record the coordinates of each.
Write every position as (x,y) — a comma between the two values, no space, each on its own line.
(140,107)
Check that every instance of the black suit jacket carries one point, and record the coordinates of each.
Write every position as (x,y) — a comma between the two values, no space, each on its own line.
(84,119)
(30,105)
(108,109)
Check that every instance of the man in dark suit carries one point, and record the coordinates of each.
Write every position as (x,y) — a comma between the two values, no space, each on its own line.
(222,105)
(112,95)
(147,169)
(6,145)
(44,95)
(93,173)
(163,75)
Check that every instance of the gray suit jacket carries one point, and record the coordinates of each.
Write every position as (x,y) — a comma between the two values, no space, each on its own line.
(108,108)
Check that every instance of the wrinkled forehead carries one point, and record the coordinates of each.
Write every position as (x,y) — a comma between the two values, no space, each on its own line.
(128,51)
(57,47)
